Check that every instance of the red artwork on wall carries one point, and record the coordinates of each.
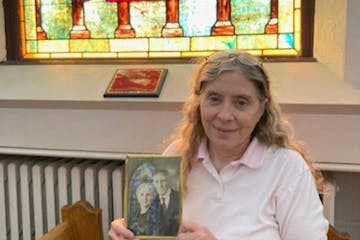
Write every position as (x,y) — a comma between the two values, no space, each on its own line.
(136,83)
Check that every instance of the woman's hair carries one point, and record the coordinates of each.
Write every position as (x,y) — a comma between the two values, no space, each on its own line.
(272,128)
(145,185)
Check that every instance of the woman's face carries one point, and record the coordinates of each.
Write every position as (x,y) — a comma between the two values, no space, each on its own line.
(145,195)
(230,109)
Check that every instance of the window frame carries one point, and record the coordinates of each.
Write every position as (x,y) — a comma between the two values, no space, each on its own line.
(14,47)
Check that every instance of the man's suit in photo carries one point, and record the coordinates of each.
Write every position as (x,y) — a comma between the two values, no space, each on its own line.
(169,216)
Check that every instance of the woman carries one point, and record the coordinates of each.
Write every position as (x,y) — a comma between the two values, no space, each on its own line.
(246,178)
(143,221)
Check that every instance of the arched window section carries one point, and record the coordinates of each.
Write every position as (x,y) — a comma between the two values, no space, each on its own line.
(156,29)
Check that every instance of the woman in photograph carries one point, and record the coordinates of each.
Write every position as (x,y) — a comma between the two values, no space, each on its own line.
(143,220)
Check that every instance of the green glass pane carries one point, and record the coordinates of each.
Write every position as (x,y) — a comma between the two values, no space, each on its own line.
(213,43)
(30,24)
(101,19)
(148,18)
(85,45)
(169,44)
(29,2)
(56,20)
(31,46)
(250,16)
(257,41)
(55,2)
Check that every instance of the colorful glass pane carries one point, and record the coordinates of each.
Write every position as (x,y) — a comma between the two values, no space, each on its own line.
(158,28)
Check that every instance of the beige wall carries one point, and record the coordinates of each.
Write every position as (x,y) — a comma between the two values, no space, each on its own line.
(352,49)
(329,34)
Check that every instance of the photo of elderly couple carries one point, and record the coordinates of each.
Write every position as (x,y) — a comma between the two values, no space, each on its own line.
(153,193)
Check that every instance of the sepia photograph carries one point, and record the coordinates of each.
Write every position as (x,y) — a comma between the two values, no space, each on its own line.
(152,205)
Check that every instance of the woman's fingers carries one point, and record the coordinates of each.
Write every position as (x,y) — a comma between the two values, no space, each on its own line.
(189,226)
(118,231)
(190,230)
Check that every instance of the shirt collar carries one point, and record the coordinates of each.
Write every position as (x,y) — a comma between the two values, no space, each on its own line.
(166,197)
(253,157)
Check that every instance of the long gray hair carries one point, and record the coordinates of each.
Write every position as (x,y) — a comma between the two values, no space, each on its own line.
(272,129)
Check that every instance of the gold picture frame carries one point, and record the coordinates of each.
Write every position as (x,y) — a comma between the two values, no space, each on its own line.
(152,195)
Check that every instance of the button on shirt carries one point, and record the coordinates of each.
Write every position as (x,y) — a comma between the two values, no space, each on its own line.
(268,194)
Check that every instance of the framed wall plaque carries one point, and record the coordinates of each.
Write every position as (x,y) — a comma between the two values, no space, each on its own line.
(153,190)
(136,82)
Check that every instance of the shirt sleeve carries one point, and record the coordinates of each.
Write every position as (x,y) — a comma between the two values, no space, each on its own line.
(300,211)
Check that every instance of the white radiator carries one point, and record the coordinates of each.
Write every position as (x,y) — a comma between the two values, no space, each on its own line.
(328,199)
(33,190)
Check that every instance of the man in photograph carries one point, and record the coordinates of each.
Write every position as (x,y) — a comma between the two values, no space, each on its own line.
(168,199)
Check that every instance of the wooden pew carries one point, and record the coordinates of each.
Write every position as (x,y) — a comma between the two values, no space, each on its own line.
(335,235)
(80,221)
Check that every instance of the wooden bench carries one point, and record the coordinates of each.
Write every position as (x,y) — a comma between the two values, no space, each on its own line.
(335,235)
(81,221)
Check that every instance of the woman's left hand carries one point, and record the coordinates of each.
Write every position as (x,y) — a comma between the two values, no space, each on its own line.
(192,231)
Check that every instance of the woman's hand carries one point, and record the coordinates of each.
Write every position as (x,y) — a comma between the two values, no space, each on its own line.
(192,231)
(118,231)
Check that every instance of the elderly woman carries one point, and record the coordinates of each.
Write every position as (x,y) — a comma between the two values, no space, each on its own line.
(245,177)
(144,221)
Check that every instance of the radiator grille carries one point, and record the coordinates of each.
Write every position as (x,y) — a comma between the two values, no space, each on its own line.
(33,190)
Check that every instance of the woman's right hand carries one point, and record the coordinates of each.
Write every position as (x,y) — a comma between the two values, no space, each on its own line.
(118,231)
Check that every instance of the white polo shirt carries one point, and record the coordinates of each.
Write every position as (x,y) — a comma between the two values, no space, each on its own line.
(268,194)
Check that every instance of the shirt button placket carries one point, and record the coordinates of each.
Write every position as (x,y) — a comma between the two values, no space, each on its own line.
(221,190)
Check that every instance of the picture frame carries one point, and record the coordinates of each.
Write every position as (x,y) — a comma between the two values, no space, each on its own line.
(137,82)
(152,203)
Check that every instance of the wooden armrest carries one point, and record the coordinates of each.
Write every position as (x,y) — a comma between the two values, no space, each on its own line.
(335,235)
(60,231)
(80,221)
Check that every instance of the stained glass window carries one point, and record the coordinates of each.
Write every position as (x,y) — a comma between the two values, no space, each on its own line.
(60,29)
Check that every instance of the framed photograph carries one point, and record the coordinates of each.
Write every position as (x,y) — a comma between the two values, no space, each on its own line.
(152,195)
(134,82)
